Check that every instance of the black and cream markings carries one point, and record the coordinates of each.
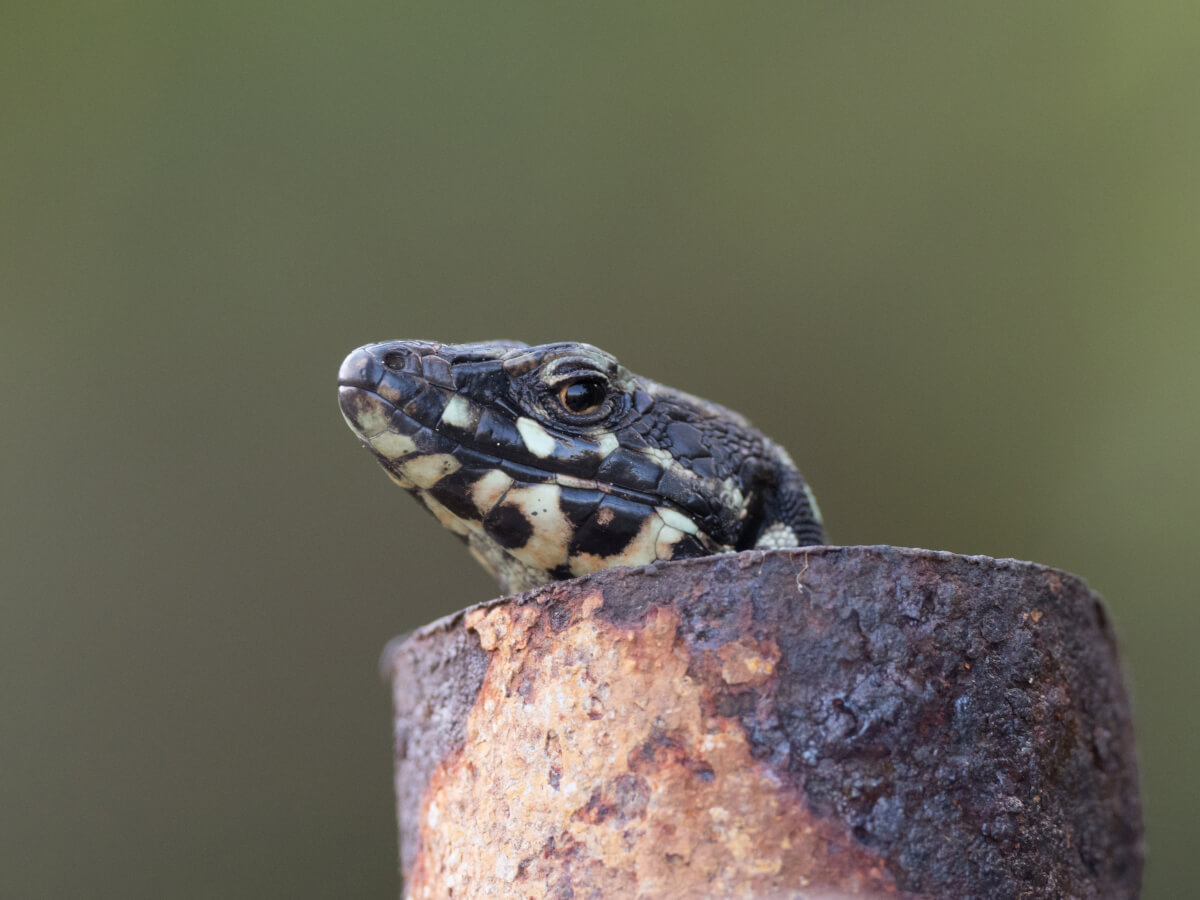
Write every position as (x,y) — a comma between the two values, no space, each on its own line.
(555,461)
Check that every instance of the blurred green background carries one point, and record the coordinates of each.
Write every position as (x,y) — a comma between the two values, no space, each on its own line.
(948,255)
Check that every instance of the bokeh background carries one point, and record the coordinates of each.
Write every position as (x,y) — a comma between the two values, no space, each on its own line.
(949,255)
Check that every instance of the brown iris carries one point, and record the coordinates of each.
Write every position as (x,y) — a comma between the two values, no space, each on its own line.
(583,396)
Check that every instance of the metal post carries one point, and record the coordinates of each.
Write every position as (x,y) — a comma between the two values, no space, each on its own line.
(816,723)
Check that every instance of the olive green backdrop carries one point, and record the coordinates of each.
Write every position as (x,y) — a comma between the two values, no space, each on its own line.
(950,256)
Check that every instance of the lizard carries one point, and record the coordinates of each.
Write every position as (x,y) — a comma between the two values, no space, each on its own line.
(555,461)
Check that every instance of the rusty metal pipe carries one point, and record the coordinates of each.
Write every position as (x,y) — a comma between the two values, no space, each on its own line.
(817,723)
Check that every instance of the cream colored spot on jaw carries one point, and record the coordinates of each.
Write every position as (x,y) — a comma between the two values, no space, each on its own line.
(640,551)
(536,438)
(458,413)
(372,417)
(488,490)
(608,443)
(540,505)
(664,545)
(393,445)
(426,471)
(677,520)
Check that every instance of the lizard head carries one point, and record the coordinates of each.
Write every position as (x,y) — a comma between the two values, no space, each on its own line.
(550,461)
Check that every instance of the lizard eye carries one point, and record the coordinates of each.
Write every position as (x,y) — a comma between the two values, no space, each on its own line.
(583,395)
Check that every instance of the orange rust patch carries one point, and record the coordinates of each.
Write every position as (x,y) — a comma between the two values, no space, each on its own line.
(748,662)
(602,774)
(591,603)
(504,627)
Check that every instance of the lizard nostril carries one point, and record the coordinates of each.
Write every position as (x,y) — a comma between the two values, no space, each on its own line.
(395,360)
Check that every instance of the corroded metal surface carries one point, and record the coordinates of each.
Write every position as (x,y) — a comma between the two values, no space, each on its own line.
(860,721)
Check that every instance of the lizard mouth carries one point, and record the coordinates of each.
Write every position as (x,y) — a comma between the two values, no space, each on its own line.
(486,471)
